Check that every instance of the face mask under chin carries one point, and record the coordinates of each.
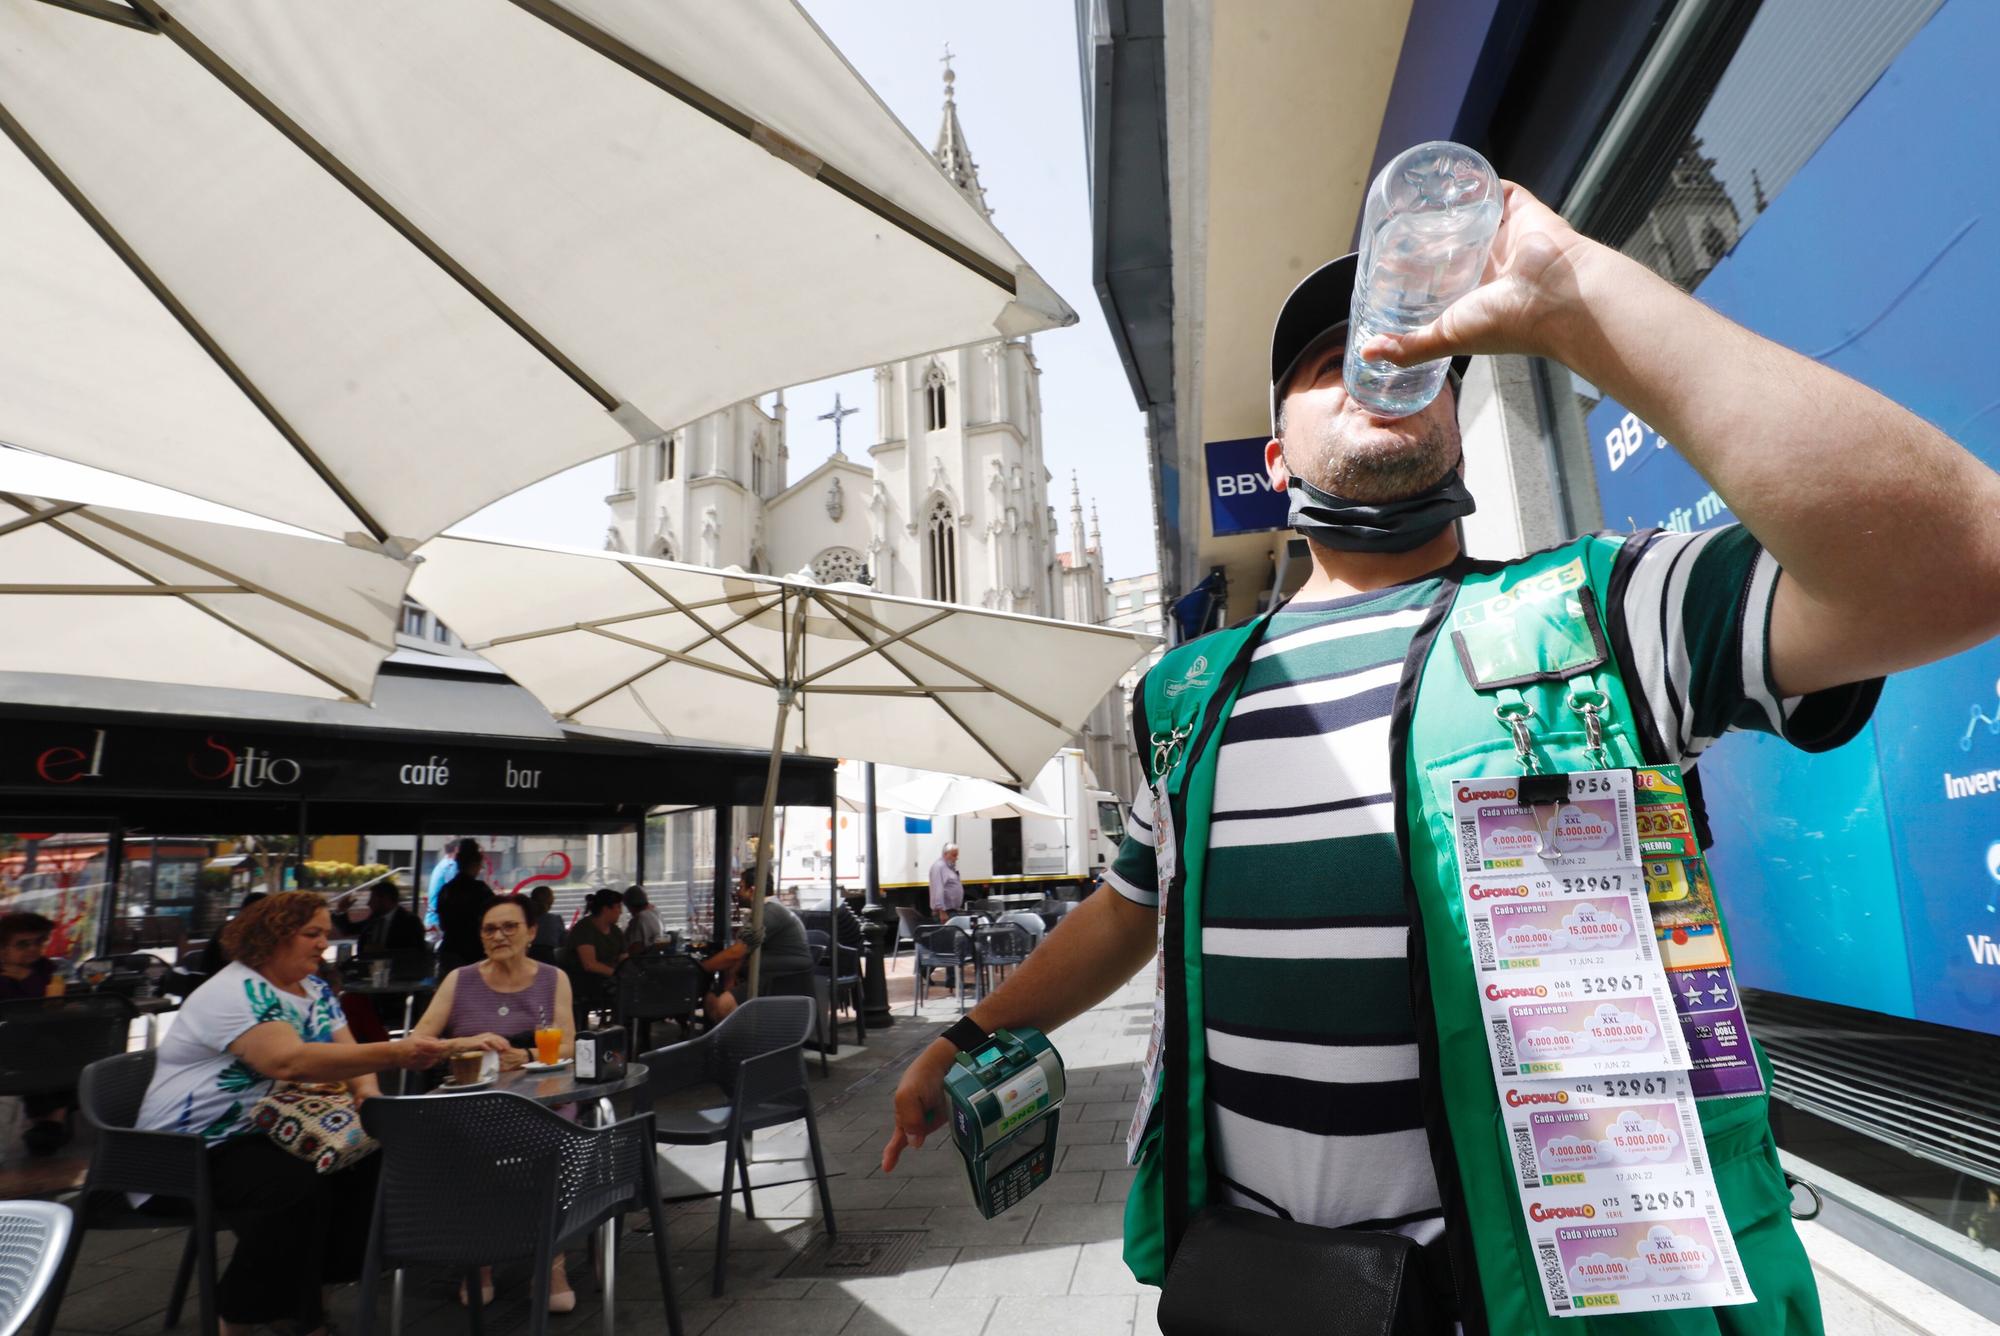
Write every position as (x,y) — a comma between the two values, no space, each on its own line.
(1389,526)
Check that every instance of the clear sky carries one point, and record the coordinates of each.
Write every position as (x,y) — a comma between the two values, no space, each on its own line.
(1020,104)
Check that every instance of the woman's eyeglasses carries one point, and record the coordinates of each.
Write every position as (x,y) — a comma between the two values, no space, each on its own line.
(500,929)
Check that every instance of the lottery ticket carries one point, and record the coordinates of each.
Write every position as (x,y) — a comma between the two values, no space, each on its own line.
(1665,821)
(1574,921)
(1633,1251)
(1504,827)
(1554,1026)
(1573,1134)
(1722,1064)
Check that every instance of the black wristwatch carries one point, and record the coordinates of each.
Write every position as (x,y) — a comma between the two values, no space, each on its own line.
(966,1035)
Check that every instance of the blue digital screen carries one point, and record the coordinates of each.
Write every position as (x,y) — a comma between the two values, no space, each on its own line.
(1868,876)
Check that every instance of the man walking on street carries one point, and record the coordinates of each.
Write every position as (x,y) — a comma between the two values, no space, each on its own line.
(1310,1068)
(947,891)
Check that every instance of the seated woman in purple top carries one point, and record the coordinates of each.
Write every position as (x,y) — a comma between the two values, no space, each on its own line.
(508,996)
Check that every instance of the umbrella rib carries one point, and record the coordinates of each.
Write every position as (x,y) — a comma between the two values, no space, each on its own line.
(302,140)
(876,647)
(637,62)
(108,10)
(689,613)
(678,656)
(999,691)
(971,732)
(31,516)
(123,249)
(127,591)
(182,592)
(667,656)
(242,585)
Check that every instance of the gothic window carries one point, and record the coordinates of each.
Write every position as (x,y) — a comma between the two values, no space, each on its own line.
(665,452)
(941,554)
(837,564)
(757,466)
(934,409)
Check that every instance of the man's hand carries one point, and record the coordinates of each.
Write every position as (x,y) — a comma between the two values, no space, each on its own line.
(1528,291)
(920,1105)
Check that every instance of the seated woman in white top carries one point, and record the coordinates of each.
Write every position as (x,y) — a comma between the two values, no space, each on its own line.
(266,1017)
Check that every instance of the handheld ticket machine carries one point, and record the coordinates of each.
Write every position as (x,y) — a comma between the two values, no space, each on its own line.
(1006,1090)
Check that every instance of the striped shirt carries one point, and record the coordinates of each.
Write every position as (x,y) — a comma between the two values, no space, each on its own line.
(1313,1098)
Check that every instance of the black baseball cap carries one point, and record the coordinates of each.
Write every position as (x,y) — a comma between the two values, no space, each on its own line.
(1319,306)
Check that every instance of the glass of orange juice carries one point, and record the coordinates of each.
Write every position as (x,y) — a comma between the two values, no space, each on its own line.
(548,1045)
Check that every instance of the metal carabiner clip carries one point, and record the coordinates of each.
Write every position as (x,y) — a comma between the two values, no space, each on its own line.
(1515,718)
(1591,707)
(1167,749)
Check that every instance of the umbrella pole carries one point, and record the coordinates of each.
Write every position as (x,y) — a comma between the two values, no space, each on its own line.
(787,693)
(764,840)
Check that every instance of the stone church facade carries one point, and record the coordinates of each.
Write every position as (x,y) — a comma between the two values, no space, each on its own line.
(951,502)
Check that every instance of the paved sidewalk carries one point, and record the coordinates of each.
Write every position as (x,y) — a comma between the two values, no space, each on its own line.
(1050,1266)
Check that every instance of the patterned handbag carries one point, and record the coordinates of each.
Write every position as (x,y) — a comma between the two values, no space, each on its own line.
(316,1122)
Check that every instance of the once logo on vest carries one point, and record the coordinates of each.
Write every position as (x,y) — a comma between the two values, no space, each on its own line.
(1540,588)
(1197,675)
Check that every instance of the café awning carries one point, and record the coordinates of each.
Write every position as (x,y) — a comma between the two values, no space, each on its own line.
(366,267)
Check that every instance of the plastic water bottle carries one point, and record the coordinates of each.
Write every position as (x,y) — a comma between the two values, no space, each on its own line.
(1425,235)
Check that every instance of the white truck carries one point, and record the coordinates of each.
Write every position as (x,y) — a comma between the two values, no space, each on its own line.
(996,856)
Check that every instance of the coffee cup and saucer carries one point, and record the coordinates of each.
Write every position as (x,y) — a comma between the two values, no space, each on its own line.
(471,1069)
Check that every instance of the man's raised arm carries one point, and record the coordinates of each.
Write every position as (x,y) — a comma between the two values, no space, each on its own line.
(1887,530)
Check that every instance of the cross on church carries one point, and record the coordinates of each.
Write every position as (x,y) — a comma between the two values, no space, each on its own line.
(834,417)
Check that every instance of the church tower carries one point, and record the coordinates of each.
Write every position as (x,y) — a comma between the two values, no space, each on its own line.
(958,509)
(947,498)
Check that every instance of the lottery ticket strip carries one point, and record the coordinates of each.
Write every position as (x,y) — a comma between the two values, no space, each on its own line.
(1610,1009)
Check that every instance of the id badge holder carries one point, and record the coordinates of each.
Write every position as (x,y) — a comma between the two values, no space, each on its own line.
(1507,643)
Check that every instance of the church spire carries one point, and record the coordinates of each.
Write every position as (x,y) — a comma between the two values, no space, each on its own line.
(1076,547)
(1096,536)
(951,153)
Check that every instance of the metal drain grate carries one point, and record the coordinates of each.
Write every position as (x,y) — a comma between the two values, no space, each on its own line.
(883,1253)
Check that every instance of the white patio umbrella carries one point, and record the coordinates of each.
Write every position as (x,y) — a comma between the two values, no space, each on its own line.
(836,670)
(366,267)
(163,588)
(964,795)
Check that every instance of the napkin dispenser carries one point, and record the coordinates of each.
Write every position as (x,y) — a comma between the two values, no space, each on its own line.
(600,1054)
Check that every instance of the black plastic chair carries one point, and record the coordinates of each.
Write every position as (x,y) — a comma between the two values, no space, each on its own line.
(756,1060)
(46,1042)
(483,1179)
(846,990)
(657,986)
(909,922)
(943,947)
(1000,947)
(172,1165)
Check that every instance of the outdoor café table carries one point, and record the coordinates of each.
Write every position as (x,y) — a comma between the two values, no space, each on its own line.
(552,1089)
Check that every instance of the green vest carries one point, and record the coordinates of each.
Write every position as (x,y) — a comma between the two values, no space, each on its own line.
(1442,729)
